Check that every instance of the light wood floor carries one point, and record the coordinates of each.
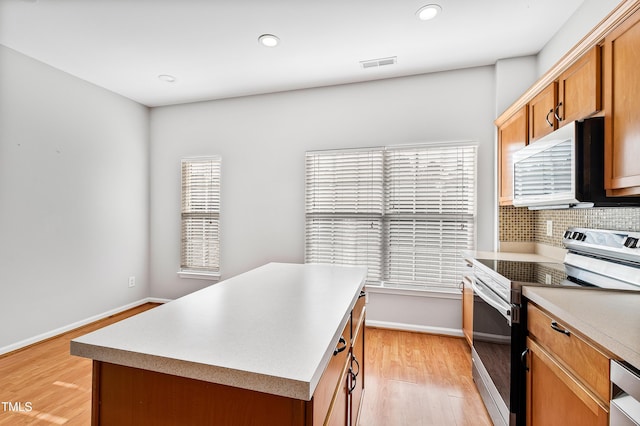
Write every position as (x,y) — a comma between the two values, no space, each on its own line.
(56,384)
(418,379)
(411,379)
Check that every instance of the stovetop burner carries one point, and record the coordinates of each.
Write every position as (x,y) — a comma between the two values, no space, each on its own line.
(542,273)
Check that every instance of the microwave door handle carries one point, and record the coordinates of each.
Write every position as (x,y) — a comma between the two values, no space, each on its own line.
(492,299)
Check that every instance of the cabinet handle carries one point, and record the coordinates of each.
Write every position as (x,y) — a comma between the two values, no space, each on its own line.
(354,382)
(362,294)
(523,359)
(354,376)
(339,349)
(556,112)
(555,326)
(357,364)
(547,117)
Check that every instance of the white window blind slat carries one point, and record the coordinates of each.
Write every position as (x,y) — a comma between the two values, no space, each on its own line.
(406,213)
(200,248)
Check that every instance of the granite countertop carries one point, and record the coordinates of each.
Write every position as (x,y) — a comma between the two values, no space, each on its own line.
(610,318)
(272,329)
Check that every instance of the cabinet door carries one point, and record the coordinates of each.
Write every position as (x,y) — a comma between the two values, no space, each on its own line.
(541,112)
(555,397)
(579,89)
(512,135)
(622,108)
(338,411)
(356,378)
(467,310)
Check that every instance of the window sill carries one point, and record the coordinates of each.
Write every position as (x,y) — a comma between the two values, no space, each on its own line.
(209,276)
(442,293)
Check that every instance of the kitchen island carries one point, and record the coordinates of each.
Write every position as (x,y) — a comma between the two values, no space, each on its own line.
(270,346)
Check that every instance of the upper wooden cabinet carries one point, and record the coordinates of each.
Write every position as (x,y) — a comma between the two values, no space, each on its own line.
(622,108)
(512,136)
(541,110)
(576,94)
(579,89)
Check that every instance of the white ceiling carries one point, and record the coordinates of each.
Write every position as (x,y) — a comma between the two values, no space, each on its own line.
(211,46)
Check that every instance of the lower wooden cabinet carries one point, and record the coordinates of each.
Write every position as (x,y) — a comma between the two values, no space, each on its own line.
(345,407)
(356,370)
(467,310)
(567,377)
(556,397)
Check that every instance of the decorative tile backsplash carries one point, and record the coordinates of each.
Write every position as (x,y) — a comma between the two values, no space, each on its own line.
(516,224)
(521,224)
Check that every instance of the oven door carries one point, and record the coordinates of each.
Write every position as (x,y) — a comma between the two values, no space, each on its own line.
(491,354)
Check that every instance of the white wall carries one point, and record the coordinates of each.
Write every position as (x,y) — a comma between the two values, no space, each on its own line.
(513,77)
(262,141)
(588,15)
(73,199)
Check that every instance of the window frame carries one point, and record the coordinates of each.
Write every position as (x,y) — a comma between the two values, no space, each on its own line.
(466,149)
(207,204)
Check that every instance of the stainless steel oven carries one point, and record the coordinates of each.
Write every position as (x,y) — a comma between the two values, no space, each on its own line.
(601,258)
(491,351)
(499,331)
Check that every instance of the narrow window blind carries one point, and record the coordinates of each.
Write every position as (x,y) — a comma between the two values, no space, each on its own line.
(200,251)
(344,192)
(404,212)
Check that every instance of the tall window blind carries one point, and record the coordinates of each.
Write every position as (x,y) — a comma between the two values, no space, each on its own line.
(405,212)
(200,252)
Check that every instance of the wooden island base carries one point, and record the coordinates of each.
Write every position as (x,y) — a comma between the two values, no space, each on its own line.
(131,396)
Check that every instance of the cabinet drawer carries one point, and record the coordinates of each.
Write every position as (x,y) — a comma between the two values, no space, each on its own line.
(331,379)
(585,361)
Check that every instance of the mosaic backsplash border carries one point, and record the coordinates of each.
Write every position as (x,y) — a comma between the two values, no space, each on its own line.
(519,224)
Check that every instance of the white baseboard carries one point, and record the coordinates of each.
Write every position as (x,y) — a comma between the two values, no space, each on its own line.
(61,330)
(414,327)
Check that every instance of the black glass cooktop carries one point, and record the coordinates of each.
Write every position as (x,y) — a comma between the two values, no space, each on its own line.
(528,272)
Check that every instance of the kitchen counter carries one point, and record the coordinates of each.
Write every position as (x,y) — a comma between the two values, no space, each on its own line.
(609,318)
(512,256)
(272,330)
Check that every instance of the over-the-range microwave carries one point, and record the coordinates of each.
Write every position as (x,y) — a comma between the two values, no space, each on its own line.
(565,169)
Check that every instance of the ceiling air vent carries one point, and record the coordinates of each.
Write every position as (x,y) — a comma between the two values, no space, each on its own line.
(374,63)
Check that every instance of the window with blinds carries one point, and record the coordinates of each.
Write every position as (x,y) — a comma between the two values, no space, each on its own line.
(344,194)
(200,253)
(405,212)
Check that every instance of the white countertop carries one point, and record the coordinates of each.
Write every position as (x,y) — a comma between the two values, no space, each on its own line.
(502,255)
(609,318)
(272,329)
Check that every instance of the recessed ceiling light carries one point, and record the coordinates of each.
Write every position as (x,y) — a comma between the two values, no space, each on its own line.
(268,40)
(428,12)
(167,78)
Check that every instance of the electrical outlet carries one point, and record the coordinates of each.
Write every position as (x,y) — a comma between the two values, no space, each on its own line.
(132,281)
(549,228)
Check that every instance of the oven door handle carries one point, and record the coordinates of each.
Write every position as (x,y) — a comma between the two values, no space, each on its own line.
(492,299)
